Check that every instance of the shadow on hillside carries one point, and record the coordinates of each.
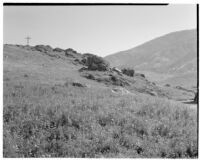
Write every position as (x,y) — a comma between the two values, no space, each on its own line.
(190,102)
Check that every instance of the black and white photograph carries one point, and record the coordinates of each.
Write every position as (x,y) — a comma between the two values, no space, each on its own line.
(100,80)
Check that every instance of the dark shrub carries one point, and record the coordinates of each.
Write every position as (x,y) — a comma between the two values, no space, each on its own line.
(95,63)
(72,53)
(77,84)
(58,50)
(26,75)
(43,48)
(128,72)
(78,61)
(114,78)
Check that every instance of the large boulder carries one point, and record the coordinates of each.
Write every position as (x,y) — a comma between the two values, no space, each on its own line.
(95,63)
(120,91)
(117,70)
(43,48)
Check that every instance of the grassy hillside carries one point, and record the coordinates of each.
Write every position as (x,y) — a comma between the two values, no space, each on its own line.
(60,121)
(173,54)
(46,115)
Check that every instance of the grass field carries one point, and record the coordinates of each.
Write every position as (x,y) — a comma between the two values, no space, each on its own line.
(44,115)
(44,120)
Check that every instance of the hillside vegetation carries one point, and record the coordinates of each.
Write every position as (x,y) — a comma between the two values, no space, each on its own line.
(52,110)
(60,121)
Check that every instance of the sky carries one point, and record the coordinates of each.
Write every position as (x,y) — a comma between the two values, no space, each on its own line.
(101,30)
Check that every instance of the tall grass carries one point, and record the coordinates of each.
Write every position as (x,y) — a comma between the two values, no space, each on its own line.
(66,121)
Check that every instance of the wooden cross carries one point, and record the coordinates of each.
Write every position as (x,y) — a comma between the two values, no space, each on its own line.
(28,38)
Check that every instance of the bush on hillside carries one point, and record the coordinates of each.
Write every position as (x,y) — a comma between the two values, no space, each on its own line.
(43,48)
(128,72)
(72,53)
(58,50)
(95,63)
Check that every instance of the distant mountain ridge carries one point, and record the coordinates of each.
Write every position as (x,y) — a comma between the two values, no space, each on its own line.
(174,53)
(159,54)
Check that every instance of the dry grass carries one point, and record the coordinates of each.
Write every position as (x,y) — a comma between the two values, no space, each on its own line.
(67,121)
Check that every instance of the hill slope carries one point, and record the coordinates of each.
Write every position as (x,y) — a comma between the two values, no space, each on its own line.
(173,54)
(27,65)
(51,110)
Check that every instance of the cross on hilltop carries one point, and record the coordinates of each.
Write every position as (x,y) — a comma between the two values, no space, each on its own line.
(28,38)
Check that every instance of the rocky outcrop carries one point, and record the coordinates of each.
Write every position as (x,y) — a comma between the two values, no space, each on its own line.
(117,70)
(106,78)
(121,91)
(43,48)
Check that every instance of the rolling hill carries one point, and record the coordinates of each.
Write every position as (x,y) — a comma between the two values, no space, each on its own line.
(172,56)
(35,65)
(53,107)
